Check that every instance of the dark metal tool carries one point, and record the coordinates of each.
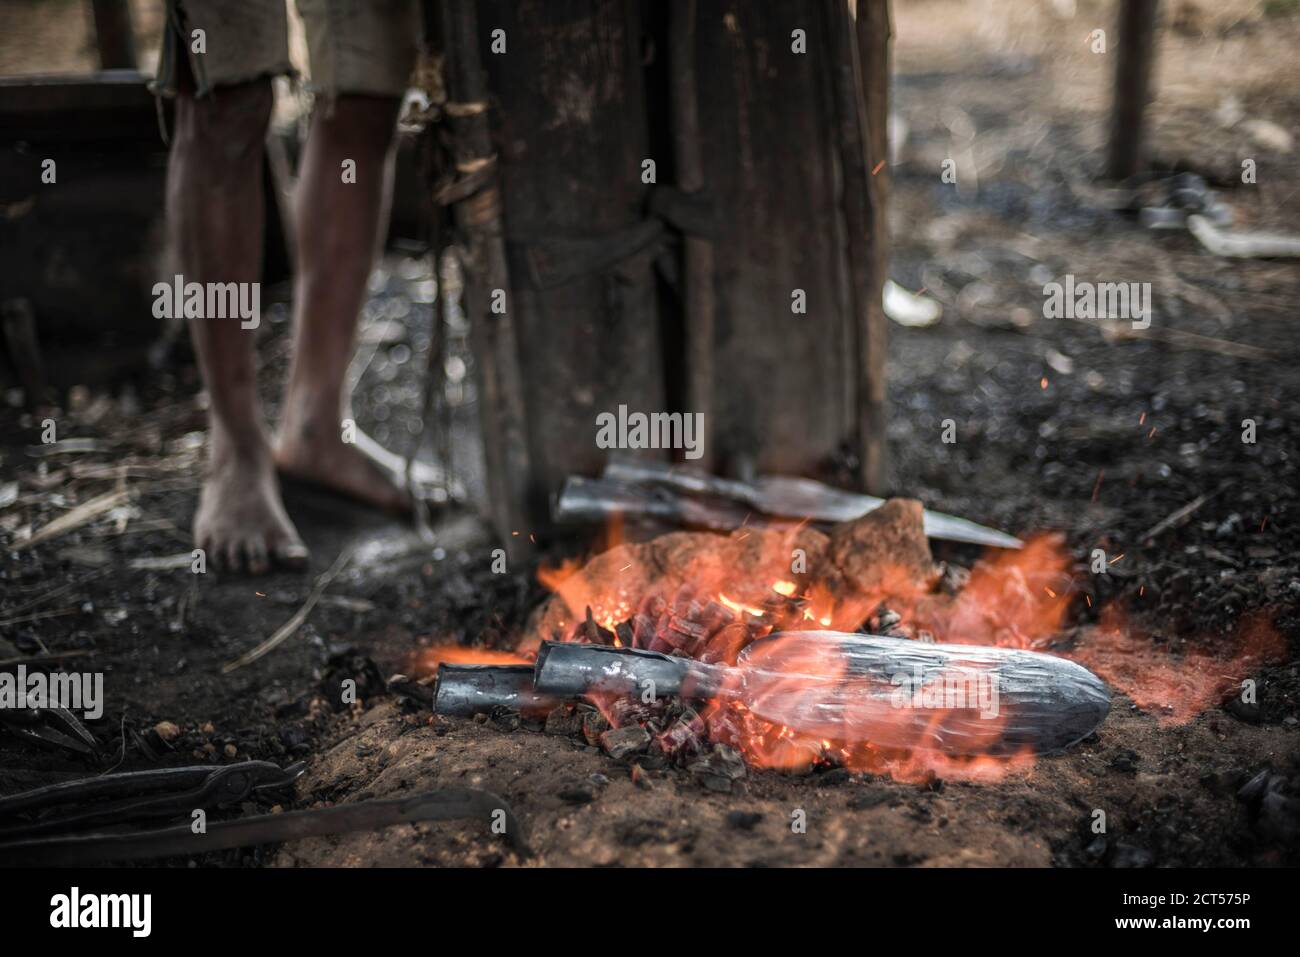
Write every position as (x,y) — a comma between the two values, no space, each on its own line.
(467,690)
(775,495)
(892,692)
(49,727)
(140,795)
(445,805)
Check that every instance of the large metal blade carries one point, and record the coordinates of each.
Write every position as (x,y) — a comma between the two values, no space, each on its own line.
(789,497)
(898,693)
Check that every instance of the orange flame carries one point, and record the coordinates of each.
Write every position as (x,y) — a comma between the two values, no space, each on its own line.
(1176,687)
(427,660)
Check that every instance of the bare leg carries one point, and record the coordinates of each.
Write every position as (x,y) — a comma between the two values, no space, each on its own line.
(338,225)
(215,213)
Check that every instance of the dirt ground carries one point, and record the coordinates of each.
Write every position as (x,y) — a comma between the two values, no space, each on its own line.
(1059,427)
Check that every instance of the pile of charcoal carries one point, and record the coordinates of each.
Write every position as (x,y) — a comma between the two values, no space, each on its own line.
(694,626)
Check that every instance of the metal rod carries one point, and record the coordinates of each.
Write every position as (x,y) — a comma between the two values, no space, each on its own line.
(467,690)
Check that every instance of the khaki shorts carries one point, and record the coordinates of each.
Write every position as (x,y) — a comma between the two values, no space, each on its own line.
(355,46)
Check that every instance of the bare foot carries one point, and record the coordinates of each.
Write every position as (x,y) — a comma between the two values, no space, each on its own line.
(362,469)
(241,523)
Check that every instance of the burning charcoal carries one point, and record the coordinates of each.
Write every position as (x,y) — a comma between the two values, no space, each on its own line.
(565,720)
(593,726)
(725,646)
(628,711)
(719,769)
(640,778)
(744,820)
(724,725)
(643,631)
(624,742)
(684,634)
(715,615)
(592,633)
(625,634)
(685,736)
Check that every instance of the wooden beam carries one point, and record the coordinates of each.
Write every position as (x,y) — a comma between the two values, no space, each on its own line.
(478,215)
(688,154)
(873,38)
(113,36)
(1133,69)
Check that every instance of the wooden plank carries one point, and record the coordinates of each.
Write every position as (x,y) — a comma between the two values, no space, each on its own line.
(771,157)
(496,352)
(1133,68)
(113,36)
(113,106)
(873,36)
(573,133)
(698,298)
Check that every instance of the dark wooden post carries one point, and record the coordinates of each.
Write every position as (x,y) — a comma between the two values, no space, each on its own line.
(571,124)
(1133,67)
(698,251)
(496,353)
(874,35)
(113,34)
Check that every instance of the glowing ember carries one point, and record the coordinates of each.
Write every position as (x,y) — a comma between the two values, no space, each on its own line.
(427,661)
